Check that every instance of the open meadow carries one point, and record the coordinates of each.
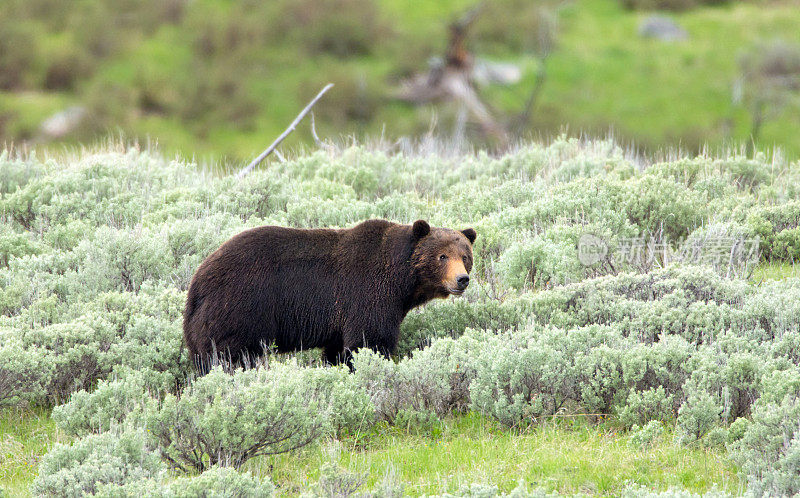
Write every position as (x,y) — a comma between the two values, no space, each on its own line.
(213,78)
(623,334)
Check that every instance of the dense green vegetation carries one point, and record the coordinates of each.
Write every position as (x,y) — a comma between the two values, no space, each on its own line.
(215,78)
(656,372)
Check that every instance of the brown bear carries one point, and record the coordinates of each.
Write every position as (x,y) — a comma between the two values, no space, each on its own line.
(340,289)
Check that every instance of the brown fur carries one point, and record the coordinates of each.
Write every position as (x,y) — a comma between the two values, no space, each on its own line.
(340,290)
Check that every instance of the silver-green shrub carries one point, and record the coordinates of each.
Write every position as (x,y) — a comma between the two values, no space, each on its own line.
(650,405)
(697,416)
(350,408)
(451,319)
(112,331)
(538,371)
(24,373)
(226,419)
(643,437)
(769,448)
(640,491)
(107,407)
(484,490)
(81,468)
(220,482)
(216,482)
(436,379)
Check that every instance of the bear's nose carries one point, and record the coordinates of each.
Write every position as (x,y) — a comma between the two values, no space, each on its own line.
(463,281)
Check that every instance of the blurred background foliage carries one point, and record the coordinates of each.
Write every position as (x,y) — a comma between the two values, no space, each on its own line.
(221,78)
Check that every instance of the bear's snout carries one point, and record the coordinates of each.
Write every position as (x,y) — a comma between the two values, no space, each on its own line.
(462,281)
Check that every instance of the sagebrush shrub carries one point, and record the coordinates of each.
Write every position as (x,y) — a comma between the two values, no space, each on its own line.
(697,416)
(769,448)
(84,466)
(216,482)
(643,407)
(538,371)
(642,437)
(107,407)
(450,319)
(24,373)
(115,330)
(639,491)
(226,419)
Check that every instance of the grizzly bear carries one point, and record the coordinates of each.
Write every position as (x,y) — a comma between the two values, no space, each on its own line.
(290,289)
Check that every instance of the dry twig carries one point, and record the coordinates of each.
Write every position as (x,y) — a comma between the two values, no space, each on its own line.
(285,134)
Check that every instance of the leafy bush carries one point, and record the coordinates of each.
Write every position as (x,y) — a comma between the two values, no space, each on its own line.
(434,380)
(769,222)
(538,372)
(419,422)
(335,480)
(643,407)
(351,409)
(483,490)
(105,408)
(636,491)
(82,468)
(655,204)
(124,260)
(539,262)
(216,482)
(769,449)
(223,419)
(15,245)
(643,437)
(116,330)
(24,373)
(221,481)
(697,417)
(451,319)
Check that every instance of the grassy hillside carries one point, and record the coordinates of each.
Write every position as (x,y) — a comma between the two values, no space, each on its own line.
(553,373)
(217,78)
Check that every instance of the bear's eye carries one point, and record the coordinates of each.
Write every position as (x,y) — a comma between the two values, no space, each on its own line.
(442,257)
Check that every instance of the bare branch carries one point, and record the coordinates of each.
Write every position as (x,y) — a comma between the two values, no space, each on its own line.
(285,134)
(320,143)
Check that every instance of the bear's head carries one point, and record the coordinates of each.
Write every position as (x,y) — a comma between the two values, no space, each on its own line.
(442,259)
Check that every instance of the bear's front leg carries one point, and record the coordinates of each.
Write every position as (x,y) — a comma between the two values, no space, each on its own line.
(381,341)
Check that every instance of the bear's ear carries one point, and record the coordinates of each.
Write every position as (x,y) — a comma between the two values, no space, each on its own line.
(420,229)
(470,234)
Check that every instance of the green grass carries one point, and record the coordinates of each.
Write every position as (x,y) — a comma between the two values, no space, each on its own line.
(659,93)
(775,271)
(568,456)
(25,435)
